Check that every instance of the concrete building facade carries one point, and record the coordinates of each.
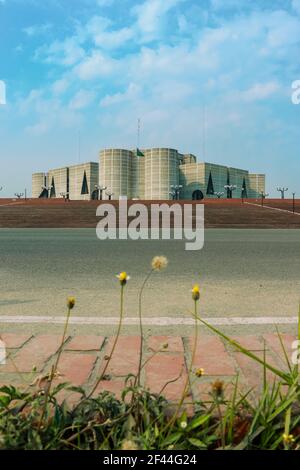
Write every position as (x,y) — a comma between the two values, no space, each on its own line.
(149,174)
(78,182)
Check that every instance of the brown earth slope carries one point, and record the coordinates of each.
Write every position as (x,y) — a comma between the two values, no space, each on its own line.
(81,214)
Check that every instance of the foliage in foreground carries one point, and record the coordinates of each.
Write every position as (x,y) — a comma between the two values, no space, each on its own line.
(42,418)
(141,420)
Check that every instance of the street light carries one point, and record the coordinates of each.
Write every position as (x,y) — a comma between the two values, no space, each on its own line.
(100,188)
(282,191)
(176,188)
(65,196)
(230,188)
(173,194)
(109,194)
(219,194)
(19,195)
(263,196)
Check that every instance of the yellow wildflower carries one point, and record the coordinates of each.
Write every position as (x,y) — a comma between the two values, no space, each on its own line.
(71,302)
(218,388)
(288,439)
(123,278)
(199,372)
(196,292)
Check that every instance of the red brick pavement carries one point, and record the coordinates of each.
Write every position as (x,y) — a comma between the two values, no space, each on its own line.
(166,361)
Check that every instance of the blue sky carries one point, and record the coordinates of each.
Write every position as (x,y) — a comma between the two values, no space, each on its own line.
(93,67)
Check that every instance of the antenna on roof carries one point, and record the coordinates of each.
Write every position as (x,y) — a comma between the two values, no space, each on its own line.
(204,131)
(138,132)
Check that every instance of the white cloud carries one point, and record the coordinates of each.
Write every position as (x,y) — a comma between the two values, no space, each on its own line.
(82,99)
(105,3)
(37,29)
(283,29)
(229,4)
(260,91)
(48,113)
(60,86)
(67,52)
(296,6)
(95,66)
(97,29)
(38,129)
(150,16)
(132,93)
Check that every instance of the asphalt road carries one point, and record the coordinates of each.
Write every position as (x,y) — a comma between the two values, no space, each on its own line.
(242,273)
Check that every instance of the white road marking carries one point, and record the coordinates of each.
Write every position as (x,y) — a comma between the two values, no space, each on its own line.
(273,208)
(150,321)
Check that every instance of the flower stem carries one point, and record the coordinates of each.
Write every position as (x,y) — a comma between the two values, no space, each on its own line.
(54,368)
(138,380)
(114,344)
(189,372)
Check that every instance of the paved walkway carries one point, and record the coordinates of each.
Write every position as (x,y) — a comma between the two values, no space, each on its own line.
(83,358)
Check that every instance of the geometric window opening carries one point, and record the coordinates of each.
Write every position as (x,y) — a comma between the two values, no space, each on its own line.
(197,195)
(139,153)
(52,191)
(68,180)
(210,186)
(229,192)
(84,188)
(44,194)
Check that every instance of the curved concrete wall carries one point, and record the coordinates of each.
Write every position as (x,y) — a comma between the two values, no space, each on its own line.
(161,171)
(116,172)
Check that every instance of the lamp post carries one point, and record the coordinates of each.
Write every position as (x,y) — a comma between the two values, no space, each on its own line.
(230,188)
(263,197)
(109,194)
(282,191)
(19,195)
(64,196)
(294,194)
(176,188)
(219,194)
(100,188)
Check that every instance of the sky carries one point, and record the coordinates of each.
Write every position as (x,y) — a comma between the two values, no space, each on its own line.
(209,77)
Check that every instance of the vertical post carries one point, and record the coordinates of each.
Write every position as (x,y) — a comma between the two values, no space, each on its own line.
(138,132)
(294,203)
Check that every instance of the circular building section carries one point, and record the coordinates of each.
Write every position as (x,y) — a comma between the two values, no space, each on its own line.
(115,172)
(161,171)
